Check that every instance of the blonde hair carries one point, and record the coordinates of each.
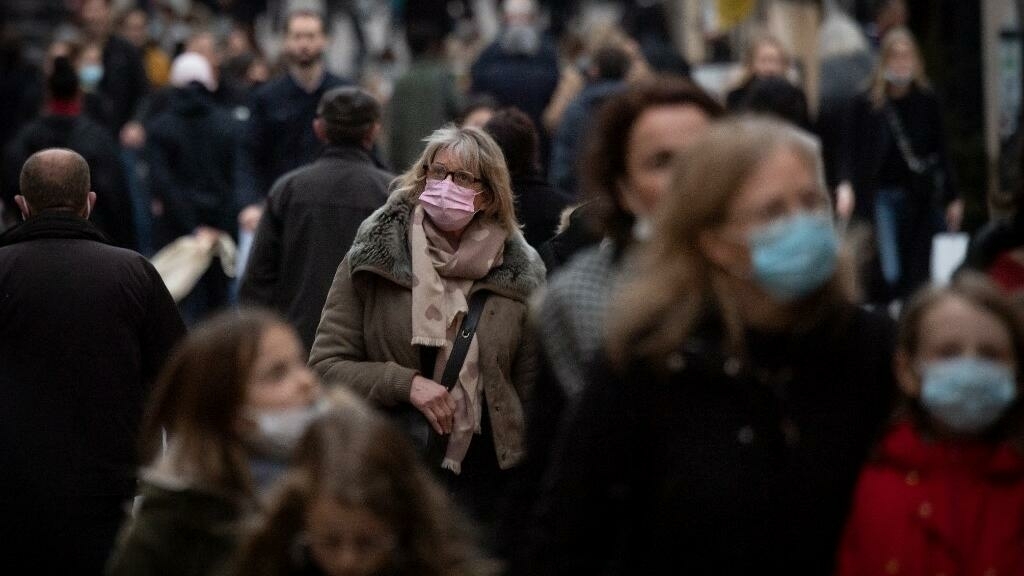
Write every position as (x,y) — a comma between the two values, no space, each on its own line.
(478,153)
(676,286)
(877,91)
(750,54)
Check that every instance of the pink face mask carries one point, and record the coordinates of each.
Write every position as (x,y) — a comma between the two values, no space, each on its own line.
(449,206)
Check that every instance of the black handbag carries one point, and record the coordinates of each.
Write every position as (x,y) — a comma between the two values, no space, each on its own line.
(425,438)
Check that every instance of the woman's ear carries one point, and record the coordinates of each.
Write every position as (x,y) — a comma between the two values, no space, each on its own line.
(908,377)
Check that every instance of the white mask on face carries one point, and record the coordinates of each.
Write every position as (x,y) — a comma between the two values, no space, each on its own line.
(278,431)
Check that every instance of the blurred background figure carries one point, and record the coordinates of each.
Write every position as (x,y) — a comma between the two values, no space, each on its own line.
(718,343)
(233,400)
(424,98)
(606,75)
(358,502)
(191,150)
(134,27)
(766,57)
(64,124)
(896,162)
(314,212)
(538,204)
(520,68)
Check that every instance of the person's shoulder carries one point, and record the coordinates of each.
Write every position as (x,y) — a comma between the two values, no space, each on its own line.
(586,271)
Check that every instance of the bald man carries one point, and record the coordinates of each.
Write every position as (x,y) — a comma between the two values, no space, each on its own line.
(84,328)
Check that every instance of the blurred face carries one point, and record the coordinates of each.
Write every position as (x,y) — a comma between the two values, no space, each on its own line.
(956,328)
(348,541)
(768,61)
(280,378)
(902,61)
(134,28)
(304,41)
(659,135)
(477,118)
(781,187)
(95,15)
(206,45)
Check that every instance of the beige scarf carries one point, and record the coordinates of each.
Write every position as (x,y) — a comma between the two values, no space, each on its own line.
(442,276)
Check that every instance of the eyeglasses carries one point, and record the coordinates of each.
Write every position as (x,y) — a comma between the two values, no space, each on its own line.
(438,171)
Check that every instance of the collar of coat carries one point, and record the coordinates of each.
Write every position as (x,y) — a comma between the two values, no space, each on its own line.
(53,225)
(381,246)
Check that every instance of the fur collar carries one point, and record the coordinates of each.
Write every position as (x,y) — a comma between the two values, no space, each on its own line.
(381,246)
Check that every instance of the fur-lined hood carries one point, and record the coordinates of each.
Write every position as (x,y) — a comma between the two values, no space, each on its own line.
(381,246)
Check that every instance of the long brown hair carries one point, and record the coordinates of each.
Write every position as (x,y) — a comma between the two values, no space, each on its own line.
(675,284)
(199,397)
(357,457)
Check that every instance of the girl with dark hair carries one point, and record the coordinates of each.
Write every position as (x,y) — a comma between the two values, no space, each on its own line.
(231,404)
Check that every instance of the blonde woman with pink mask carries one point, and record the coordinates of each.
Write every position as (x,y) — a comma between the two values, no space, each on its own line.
(444,250)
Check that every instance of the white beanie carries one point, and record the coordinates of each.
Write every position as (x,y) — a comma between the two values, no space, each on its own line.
(192,67)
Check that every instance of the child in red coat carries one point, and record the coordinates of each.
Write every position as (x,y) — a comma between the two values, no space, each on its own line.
(944,493)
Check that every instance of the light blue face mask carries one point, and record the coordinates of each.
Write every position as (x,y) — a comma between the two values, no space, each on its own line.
(795,256)
(90,75)
(967,394)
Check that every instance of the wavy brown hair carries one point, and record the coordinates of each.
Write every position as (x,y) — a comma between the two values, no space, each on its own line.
(676,285)
(360,459)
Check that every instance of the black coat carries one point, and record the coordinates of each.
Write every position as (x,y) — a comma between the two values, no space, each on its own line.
(872,160)
(124,81)
(311,219)
(84,329)
(708,465)
(539,208)
(279,136)
(871,141)
(192,153)
(113,211)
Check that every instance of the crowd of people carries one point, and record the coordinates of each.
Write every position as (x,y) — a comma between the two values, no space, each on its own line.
(542,304)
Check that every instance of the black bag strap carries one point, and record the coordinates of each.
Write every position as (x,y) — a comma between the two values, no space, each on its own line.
(461,345)
(916,164)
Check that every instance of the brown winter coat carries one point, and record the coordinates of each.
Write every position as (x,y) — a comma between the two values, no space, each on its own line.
(365,333)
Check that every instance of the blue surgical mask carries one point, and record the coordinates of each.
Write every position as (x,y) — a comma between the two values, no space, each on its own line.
(795,256)
(967,394)
(90,75)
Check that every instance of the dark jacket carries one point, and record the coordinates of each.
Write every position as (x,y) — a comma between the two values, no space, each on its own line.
(872,143)
(706,464)
(124,81)
(424,99)
(572,131)
(279,136)
(84,329)
(538,207)
(312,217)
(178,531)
(192,157)
(580,232)
(113,211)
(524,81)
